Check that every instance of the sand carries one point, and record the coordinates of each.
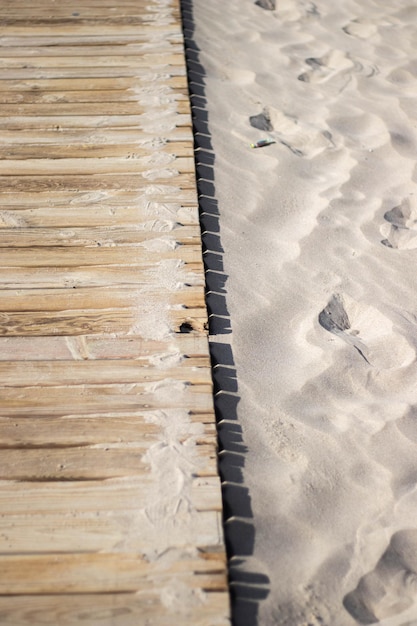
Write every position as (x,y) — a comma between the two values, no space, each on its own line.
(319,239)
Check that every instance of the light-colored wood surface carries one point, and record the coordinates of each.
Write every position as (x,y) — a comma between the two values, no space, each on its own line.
(110,500)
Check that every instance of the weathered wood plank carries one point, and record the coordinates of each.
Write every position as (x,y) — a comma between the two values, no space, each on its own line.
(163,250)
(124,14)
(115,494)
(92,84)
(84,256)
(96,372)
(100,321)
(104,573)
(48,150)
(101,209)
(78,71)
(161,351)
(99,463)
(94,121)
(157,33)
(56,433)
(32,300)
(106,610)
(85,137)
(88,216)
(167,45)
(90,532)
(66,323)
(136,93)
(75,79)
(101,237)
(145,4)
(98,276)
(72,463)
(155,201)
(147,59)
(151,166)
(89,28)
(168,181)
(93,400)
(86,22)
(139,8)
(85,109)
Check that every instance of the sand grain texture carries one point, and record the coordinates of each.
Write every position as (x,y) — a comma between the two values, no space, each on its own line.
(319,232)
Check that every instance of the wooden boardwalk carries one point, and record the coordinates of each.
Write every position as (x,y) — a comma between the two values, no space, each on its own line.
(110,501)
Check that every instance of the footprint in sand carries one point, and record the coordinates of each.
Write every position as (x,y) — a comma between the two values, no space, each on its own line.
(302,139)
(391,587)
(363,29)
(333,64)
(400,228)
(269,5)
(368,331)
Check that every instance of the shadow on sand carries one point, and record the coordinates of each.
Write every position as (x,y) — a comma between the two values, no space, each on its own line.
(248,588)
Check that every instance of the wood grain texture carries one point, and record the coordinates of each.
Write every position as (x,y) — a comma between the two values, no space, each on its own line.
(132,493)
(110,498)
(92,573)
(122,609)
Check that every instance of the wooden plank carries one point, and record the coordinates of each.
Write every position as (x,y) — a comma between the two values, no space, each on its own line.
(56,433)
(83,217)
(66,323)
(189,345)
(87,151)
(167,181)
(100,237)
(69,85)
(148,166)
(106,610)
(98,276)
(88,121)
(95,372)
(158,34)
(89,297)
(80,71)
(146,5)
(93,322)
(74,431)
(95,256)
(89,532)
(122,14)
(95,10)
(87,28)
(83,109)
(151,139)
(165,45)
(86,22)
(104,573)
(94,463)
(105,399)
(72,463)
(98,210)
(148,59)
(136,93)
(116,494)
